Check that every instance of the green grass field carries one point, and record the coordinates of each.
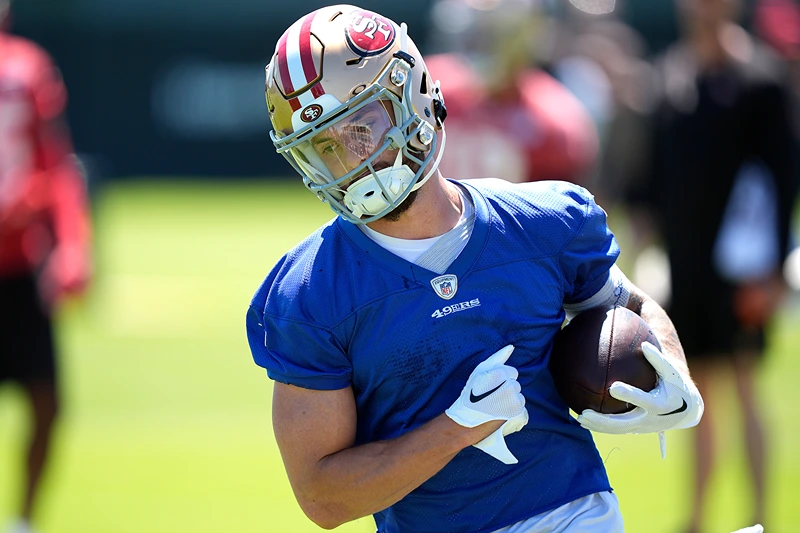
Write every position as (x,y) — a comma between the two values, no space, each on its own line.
(166,419)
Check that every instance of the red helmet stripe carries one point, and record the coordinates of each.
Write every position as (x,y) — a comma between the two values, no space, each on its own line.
(283,66)
(283,70)
(306,54)
(296,64)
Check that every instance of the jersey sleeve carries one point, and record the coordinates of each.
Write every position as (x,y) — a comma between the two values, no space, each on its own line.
(297,353)
(590,254)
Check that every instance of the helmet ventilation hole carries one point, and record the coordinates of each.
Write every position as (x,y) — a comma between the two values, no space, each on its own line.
(423,85)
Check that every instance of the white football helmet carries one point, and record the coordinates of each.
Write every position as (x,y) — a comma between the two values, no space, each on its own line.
(354,110)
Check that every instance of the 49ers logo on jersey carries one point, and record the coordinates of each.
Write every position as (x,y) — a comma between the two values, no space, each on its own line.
(369,34)
(311,113)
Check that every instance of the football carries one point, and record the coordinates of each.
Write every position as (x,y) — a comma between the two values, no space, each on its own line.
(597,348)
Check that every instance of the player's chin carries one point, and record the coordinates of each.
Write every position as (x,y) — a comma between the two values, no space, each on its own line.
(395,214)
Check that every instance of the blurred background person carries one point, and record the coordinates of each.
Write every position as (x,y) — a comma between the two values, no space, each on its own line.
(722,183)
(602,60)
(777,22)
(44,240)
(507,116)
(605,62)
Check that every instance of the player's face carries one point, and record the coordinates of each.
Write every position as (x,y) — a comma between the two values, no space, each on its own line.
(348,143)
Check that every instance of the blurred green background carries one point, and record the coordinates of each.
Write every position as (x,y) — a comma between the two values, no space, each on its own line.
(166,425)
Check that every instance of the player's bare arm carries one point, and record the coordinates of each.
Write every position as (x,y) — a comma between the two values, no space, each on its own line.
(336,482)
(644,306)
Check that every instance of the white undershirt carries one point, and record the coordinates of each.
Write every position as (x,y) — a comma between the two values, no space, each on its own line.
(434,253)
(408,249)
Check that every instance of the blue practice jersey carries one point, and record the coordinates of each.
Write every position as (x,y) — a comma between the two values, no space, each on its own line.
(340,311)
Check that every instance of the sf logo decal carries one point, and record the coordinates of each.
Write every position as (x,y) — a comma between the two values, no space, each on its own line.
(311,113)
(369,34)
(368,26)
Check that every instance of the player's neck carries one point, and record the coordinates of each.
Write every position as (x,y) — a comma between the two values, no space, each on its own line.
(435,211)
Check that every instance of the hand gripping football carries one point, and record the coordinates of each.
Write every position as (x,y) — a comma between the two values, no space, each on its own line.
(597,348)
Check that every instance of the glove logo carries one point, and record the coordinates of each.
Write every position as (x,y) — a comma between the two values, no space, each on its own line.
(475,399)
(445,286)
(680,409)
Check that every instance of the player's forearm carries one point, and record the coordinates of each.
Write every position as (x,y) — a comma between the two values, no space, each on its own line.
(365,479)
(661,325)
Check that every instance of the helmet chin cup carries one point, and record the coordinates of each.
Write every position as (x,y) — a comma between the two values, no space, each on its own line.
(368,195)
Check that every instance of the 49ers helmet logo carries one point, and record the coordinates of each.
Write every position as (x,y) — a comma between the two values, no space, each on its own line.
(369,34)
(311,113)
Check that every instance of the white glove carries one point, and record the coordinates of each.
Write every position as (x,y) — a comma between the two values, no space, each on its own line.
(758,528)
(675,403)
(492,392)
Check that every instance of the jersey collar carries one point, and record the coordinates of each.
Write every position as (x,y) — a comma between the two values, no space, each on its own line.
(423,276)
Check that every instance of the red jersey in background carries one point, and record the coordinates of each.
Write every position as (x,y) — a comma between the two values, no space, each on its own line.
(44,214)
(535,130)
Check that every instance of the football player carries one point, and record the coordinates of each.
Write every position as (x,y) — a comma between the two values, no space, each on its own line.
(44,237)
(409,337)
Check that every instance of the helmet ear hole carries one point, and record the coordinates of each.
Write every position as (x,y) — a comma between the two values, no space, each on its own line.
(423,84)
(439,111)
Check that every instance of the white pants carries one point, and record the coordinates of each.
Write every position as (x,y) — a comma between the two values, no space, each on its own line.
(595,513)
